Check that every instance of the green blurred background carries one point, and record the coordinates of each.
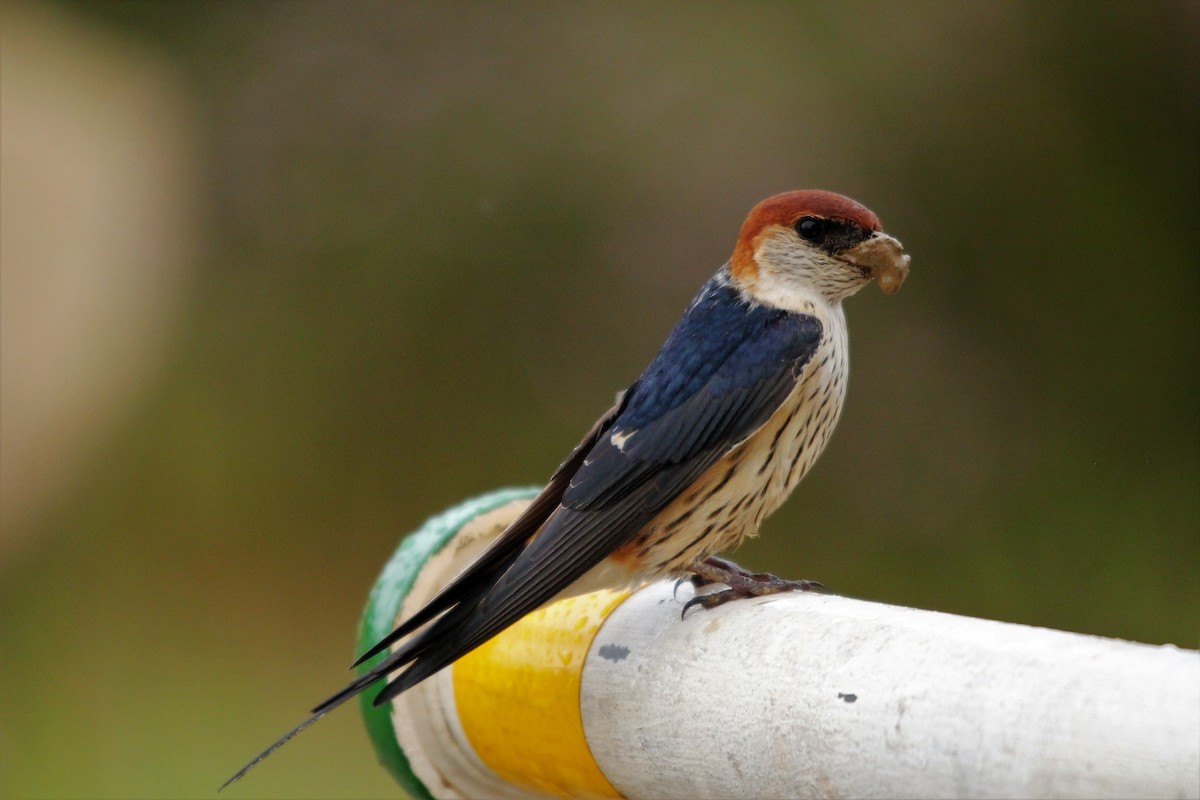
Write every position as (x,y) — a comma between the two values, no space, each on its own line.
(360,261)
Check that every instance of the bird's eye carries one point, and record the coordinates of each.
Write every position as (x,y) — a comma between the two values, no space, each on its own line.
(810,228)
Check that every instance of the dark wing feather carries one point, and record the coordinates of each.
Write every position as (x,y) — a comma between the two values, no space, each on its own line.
(501,553)
(459,592)
(674,432)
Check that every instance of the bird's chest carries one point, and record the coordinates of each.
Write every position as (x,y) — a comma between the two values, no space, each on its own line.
(729,502)
(780,454)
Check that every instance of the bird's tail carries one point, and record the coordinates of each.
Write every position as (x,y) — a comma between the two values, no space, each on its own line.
(460,627)
(324,708)
(416,649)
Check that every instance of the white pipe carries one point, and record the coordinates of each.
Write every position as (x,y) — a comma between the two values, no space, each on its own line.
(805,695)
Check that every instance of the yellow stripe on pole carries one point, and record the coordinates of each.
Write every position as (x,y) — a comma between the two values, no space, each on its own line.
(518,698)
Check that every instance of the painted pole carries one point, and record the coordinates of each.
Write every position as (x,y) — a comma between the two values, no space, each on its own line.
(795,695)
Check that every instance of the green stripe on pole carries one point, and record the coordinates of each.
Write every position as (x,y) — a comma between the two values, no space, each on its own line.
(383,606)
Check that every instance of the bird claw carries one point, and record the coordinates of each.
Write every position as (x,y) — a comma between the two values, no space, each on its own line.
(710,600)
(741,583)
(695,580)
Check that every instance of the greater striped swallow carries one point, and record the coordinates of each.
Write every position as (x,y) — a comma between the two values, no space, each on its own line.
(710,439)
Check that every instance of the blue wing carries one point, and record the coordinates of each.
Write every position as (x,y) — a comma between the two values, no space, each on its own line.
(726,368)
(723,372)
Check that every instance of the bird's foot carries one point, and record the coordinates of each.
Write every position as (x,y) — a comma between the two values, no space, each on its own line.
(741,583)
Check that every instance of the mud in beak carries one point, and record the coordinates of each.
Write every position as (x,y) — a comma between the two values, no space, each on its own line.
(884,259)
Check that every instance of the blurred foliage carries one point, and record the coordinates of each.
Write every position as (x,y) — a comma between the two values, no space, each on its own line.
(441,236)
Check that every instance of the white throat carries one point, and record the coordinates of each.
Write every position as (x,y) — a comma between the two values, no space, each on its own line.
(792,275)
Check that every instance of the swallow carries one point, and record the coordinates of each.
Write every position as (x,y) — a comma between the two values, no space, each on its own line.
(710,439)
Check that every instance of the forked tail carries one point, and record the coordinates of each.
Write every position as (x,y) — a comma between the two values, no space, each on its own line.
(324,708)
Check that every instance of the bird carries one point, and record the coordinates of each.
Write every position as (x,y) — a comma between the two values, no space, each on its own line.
(710,439)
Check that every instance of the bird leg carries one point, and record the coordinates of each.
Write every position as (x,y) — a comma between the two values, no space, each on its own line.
(741,583)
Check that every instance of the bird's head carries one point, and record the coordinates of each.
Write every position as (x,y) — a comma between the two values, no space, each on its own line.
(799,243)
